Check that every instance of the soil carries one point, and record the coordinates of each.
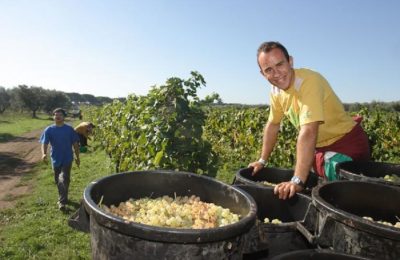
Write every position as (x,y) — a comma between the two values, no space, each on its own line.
(17,157)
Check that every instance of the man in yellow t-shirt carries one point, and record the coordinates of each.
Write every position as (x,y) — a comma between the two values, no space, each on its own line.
(84,129)
(306,98)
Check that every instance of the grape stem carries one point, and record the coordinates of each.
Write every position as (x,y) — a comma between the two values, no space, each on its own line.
(101,200)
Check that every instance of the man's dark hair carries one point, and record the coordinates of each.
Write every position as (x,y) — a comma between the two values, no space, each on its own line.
(59,110)
(268,46)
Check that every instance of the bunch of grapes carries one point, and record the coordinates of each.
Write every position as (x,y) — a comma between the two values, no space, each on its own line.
(267,183)
(396,225)
(392,178)
(181,212)
(274,221)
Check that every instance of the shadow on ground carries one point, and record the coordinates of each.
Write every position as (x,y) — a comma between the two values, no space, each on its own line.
(9,162)
(6,137)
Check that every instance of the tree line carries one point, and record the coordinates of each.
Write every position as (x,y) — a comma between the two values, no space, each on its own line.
(383,106)
(393,106)
(37,99)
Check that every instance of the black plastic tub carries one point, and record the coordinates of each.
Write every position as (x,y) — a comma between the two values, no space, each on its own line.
(316,254)
(273,175)
(341,206)
(114,238)
(266,239)
(368,171)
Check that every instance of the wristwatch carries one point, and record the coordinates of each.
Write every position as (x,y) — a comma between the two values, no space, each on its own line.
(262,161)
(296,180)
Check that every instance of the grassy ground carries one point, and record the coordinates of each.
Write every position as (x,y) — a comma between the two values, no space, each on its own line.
(15,124)
(36,229)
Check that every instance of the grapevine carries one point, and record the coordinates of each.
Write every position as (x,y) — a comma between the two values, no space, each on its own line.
(171,128)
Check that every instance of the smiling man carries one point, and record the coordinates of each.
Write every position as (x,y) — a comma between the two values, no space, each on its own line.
(327,134)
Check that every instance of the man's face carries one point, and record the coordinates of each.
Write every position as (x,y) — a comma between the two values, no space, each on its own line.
(276,69)
(58,117)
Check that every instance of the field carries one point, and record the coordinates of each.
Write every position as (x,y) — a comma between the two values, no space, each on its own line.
(14,124)
(35,228)
(130,136)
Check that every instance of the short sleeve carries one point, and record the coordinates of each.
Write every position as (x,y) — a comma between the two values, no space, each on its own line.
(44,138)
(275,111)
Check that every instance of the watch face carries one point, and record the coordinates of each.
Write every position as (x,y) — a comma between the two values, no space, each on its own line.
(296,180)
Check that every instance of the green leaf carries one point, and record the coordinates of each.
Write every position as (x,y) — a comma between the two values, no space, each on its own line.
(158,158)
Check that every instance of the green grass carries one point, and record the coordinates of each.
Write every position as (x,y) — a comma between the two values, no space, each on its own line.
(35,228)
(15,124)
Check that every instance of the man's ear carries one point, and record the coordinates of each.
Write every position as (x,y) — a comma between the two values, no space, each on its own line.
(291,61)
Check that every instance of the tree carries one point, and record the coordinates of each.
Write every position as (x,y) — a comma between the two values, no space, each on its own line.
(104,100)
(214,98)
(90,99)
(55,99)
(16,102)
(32,98)
(396,106)
(75,97)
(5,99)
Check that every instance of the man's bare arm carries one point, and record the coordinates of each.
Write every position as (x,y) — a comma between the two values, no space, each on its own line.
(270,136)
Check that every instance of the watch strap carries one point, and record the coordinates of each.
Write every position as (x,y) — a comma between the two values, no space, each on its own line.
(296,180)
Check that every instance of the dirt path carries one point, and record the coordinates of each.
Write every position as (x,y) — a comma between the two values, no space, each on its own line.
(17,157)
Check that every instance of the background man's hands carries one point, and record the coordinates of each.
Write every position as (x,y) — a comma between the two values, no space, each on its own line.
(44,158)
(78,162)
(256,167)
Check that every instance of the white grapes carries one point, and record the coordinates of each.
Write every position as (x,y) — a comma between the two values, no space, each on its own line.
(267,183)
(181,212)
(392,178)
(396,225)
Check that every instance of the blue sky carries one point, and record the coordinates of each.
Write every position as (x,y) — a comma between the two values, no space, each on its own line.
(114,48)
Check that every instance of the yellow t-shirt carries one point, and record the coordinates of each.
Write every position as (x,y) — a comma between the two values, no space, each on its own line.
(82,129)
(311,99)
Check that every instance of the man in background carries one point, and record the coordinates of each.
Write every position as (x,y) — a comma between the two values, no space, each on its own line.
(62,138)
(84,129)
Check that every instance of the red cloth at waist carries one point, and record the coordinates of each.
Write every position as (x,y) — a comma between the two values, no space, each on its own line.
(353,144)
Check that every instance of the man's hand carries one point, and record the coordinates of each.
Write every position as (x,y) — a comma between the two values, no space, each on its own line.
(77,161)
(44,158)
(257,166)
(76,148)
(286,190)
